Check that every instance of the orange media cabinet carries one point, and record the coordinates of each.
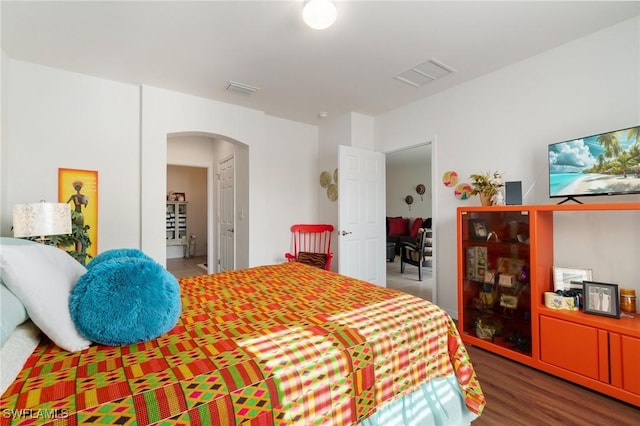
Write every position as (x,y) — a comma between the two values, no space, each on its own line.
(505,265)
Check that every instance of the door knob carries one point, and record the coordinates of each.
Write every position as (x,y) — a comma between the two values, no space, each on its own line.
(346,233)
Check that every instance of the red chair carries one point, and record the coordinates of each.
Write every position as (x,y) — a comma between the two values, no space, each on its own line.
(311,245)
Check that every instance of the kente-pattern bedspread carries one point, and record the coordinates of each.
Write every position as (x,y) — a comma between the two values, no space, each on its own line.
(271,345)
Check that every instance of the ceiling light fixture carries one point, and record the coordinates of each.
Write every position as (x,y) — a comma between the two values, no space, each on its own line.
(319,14)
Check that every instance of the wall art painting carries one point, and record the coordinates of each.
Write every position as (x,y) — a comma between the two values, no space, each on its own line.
(79,188)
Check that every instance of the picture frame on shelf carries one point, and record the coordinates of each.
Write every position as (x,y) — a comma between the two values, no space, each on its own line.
(570,278)
(601,299)
(478,229)
(181,196)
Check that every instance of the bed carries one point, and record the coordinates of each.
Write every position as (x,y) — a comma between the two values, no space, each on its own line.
(270,345)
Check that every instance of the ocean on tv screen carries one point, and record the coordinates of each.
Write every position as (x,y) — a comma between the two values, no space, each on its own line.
(603,164)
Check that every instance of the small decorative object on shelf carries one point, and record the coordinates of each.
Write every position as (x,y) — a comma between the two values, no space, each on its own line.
(498,199)
(570,278)
(478,229)
(487,186)
(601,299)
(487,328)
(628,300)
(556,301)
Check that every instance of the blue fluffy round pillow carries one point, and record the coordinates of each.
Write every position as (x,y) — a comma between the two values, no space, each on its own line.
(116,254)
(125,300)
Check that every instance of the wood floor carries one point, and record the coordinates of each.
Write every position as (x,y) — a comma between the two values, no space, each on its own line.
(520,395)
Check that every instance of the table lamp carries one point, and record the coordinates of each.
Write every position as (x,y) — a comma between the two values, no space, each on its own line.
(41,219)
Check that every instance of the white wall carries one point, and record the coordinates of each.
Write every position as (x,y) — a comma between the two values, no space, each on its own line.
(60,119)
(289,183)
(505,120)
(4,78)
(332,133)
(350,129)
(402,180)
(282,164)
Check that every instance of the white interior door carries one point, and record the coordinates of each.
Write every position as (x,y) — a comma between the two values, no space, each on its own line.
(361,204)
(226,215)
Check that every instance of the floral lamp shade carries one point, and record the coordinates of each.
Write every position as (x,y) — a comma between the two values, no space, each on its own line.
(41,219)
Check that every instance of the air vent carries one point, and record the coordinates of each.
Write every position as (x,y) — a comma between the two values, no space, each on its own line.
(424,73)
(241,88)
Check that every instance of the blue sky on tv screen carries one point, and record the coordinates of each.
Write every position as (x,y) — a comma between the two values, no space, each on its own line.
(576,155)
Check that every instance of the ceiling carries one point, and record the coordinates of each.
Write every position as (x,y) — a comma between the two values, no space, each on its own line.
(198,47)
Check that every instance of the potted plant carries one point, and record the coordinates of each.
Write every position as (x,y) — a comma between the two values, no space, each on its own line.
(487,186)
(76,243)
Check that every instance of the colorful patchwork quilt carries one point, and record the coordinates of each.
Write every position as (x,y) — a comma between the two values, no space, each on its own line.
(270,345)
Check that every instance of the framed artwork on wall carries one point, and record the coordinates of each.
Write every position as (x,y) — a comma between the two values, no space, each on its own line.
(79,188)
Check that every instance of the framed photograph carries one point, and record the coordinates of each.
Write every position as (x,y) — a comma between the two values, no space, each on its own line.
(570,278)
(181,196)
(601,299)
(476,263)
(478,229)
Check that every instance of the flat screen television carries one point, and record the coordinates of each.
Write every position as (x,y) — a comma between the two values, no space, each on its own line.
(602,164)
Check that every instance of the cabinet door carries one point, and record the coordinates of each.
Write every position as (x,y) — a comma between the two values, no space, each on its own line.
(571,346)
(494,278)
(625,367)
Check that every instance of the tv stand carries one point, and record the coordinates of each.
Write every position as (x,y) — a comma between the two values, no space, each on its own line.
(570,198)
(501,292)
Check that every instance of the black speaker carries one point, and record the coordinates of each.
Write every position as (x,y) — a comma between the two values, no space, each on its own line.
(513,193)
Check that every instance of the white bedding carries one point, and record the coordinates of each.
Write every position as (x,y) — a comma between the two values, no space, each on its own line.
(15,352)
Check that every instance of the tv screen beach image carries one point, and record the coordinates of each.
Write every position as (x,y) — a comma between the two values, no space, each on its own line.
(608,163)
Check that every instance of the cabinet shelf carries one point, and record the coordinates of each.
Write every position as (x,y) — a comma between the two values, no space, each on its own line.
(177,230)
(514,246)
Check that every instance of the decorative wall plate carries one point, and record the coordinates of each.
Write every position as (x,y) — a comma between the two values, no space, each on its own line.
(335,175)
(450,178)
(325,179)
(408,199)
(420,189)
(463,191)
(332,192)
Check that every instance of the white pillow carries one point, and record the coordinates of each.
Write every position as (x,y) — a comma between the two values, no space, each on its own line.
(42,277)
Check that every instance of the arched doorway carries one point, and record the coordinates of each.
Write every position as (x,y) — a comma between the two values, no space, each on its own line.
(197,149)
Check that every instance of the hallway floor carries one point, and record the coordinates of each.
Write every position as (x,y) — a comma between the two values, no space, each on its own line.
(407,282)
